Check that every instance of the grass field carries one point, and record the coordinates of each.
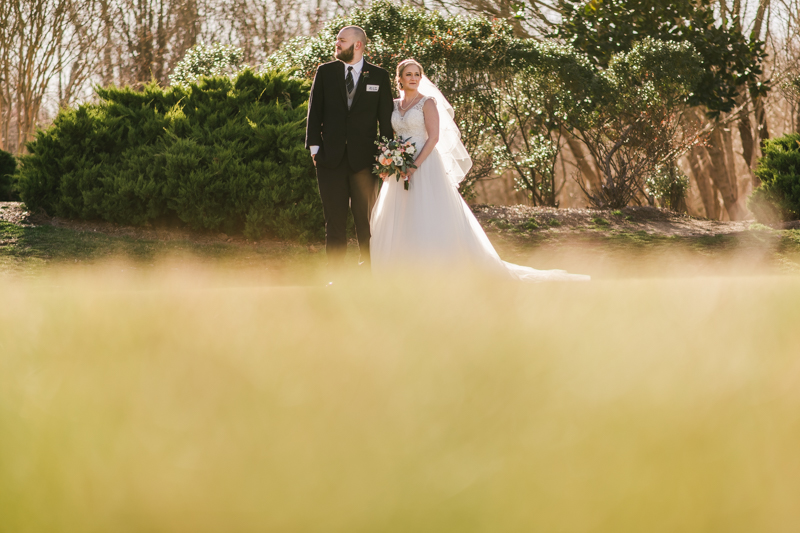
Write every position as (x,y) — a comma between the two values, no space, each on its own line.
(166,387)
(31,251)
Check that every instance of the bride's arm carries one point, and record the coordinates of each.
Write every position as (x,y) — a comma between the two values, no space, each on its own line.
(432,127)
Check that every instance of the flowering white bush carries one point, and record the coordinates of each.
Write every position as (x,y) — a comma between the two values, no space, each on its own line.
(207,60)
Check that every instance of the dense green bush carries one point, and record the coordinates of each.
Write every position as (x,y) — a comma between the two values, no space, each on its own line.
(220,154)
(778,196)
(635,124)
(8,169)
(604,28)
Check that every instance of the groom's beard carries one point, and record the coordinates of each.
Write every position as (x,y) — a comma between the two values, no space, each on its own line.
(345,55)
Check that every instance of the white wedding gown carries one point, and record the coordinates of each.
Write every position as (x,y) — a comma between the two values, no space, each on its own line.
(430,225)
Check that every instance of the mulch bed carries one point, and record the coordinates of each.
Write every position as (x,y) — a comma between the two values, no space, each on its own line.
(636,218)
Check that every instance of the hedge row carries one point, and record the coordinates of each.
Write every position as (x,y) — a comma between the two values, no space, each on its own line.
(222,154)
(8,169)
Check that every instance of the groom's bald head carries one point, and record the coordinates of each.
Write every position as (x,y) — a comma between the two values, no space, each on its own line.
(357,34)
(350,44)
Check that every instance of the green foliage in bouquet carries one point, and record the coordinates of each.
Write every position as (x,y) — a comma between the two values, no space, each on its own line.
(8,169)
(221,154)
(778,196)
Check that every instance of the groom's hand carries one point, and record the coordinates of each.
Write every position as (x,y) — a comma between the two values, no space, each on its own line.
(314,159)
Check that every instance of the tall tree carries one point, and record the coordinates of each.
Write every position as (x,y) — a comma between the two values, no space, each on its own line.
(733,73)
(42,41)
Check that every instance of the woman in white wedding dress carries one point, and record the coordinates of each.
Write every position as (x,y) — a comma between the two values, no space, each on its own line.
(429,225)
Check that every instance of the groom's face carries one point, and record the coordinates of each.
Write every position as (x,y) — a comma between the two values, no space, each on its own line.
(345,46)
(346,54)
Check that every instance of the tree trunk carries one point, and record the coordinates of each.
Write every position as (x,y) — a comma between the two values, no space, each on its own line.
(745,127)
(587,170)
(758,102)
(721,175)
(708,193)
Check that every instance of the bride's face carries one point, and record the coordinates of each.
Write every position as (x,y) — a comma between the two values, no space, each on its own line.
(411,77)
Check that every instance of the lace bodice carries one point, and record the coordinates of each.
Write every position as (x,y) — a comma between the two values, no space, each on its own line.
(412,124)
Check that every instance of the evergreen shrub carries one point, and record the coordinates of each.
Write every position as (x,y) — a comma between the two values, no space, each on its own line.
(778,196)
(8,169)
(220,154)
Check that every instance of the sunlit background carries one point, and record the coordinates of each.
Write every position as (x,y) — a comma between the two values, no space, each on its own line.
(173,359)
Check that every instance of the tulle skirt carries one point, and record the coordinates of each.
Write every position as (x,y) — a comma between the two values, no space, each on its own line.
(431,226)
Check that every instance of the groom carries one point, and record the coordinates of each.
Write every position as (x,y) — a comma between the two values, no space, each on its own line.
(350,98)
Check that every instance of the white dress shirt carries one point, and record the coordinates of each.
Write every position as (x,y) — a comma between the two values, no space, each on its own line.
(357,67)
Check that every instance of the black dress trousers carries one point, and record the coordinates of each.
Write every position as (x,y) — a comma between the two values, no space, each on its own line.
(337,186)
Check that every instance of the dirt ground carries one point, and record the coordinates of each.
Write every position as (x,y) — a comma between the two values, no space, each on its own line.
(651,220)
(532,219)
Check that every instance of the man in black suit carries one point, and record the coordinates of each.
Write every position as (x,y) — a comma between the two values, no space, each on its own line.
(350,98)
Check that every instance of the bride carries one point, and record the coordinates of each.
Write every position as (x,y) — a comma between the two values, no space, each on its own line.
(430,224)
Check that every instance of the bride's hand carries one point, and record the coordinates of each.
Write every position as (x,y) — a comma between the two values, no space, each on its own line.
(410,172)
(384,176)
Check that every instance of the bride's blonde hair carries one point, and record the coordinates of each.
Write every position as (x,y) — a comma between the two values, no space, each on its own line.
(401,67)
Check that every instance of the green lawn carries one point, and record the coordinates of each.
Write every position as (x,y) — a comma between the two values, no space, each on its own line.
(31,250)
(600,252)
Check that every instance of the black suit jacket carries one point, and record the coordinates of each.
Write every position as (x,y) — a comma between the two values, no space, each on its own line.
(331,126)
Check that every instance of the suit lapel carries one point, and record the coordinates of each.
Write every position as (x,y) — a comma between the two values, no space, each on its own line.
(340,82)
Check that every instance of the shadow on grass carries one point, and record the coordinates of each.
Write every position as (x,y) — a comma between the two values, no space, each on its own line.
(622,254)
(52,243)
(30,248)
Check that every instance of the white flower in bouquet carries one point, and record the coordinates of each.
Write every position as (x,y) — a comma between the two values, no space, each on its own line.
(394,157)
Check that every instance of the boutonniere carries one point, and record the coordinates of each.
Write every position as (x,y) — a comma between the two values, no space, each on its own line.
(365,74)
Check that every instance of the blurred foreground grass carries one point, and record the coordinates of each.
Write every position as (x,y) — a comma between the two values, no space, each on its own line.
(209,401)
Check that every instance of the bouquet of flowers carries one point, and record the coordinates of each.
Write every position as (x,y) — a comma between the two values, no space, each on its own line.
(395,157)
